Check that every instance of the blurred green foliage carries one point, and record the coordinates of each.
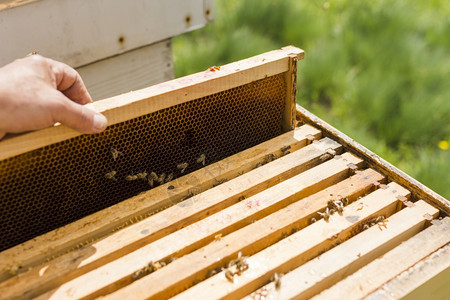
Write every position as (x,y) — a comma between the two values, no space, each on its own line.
(379,71)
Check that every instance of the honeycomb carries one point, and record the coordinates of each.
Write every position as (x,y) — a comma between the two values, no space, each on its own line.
(60,183)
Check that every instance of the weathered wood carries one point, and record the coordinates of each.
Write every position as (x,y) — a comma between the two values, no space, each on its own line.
(419,190)
(130,71)
(337,263)
(138,103)
(56,242)
(383,269)
(58,28)
(282,256)
(137,235)
(428,279)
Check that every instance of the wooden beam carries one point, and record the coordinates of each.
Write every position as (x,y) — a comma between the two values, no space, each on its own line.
(138,103)
(419,190)
(402,257)
(428,279)
(193,209)
(337,263)
(58,241)
(291,94)
(286,254)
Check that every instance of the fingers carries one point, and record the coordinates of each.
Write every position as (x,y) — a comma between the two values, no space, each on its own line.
(70,83)
(2,134)
(77,116)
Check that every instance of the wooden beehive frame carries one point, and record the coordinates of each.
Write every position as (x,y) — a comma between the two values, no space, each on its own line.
(136,103)
(263,210)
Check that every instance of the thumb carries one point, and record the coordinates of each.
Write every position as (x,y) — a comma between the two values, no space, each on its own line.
(78,117)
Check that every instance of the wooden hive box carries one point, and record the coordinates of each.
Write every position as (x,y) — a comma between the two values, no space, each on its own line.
(266,201)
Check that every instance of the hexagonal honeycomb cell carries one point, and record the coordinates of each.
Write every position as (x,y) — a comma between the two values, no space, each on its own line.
(60,183)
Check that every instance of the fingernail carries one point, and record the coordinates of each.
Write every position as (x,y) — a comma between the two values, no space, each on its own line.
(100,122)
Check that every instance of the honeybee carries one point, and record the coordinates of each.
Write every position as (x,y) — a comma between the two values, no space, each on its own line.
(345,201)
(169,177)
(182,166)
(142,175)
(332,211)
(151,178)
(111,175)
(365,226)
(331,204)
(201,159)
(339,206)
(269,157)
(312,220)
(379,219)
(161,178)
(131,177)
(156,266)
(137,274)
(229,275)
(277,281)
(241,263)
(325,214)
(325,157)
(258,165)
(285,149)
(115,153)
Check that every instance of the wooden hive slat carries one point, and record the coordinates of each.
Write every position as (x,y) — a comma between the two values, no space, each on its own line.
(397,260)
(426,279)
(56,242)
(286,254)
(328,268)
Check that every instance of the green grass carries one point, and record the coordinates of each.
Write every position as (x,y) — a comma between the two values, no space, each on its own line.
(379,71)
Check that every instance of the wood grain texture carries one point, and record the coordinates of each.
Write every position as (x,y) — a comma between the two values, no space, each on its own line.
(56,242)
(372,276)
(138,103)
(287,254)
(428,279)
(337,263)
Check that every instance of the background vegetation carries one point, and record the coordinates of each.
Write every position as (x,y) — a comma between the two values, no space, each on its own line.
(379,71)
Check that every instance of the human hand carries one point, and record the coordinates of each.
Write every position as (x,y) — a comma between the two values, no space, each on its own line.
(36,92)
